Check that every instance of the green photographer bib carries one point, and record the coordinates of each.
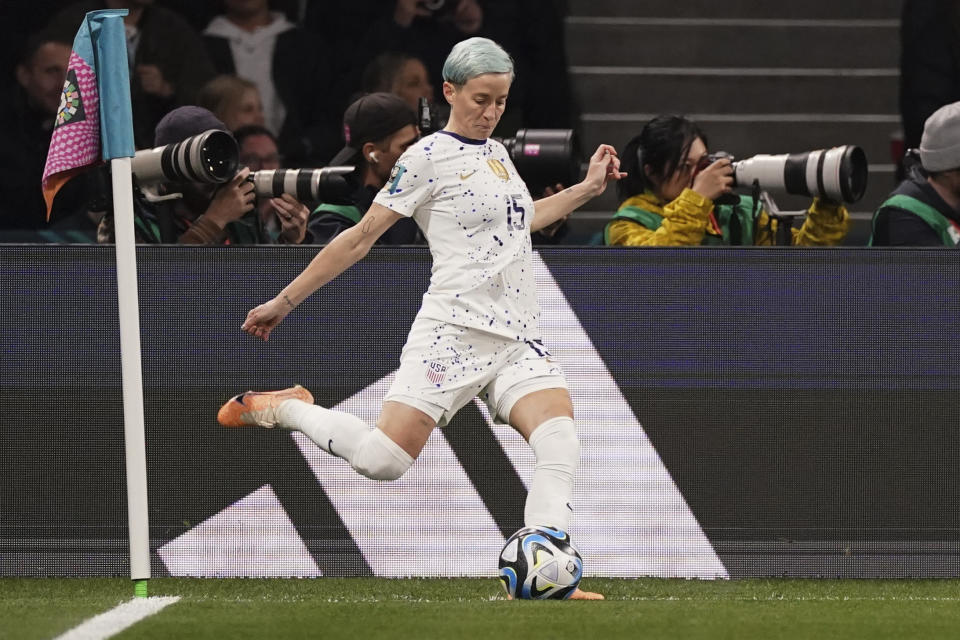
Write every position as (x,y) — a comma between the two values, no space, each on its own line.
(947,230)
(736,222)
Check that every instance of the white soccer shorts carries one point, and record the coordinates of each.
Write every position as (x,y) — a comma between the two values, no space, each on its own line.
(444,366)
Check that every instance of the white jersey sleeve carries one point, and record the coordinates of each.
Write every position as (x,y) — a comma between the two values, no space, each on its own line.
(412,182)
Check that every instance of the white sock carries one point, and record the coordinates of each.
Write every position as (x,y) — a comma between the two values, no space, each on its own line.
(335,432)
(557,449)
(370,452)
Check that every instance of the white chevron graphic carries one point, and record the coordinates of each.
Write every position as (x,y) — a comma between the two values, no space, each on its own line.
(630,519)
(252,537)
(629,516)
(430,522)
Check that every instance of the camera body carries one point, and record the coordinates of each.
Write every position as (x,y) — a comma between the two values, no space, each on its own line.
(838,173)
(713,157)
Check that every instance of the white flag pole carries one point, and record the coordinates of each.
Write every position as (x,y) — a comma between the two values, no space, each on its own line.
(132,375)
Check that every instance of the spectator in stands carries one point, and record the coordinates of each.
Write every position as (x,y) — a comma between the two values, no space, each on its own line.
(168,61)
(233,100)
(924,210)
(929,62)
(300,103)
(534,33)
(399,73)
(205,213)
(19,22)
(378,128)
(421,28)
(27,117)
(198,14)
(284,219)
(670,191)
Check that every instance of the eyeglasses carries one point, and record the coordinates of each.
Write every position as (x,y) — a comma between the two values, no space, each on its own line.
(259,162)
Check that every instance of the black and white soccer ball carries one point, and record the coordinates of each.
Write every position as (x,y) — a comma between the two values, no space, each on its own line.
(539,563)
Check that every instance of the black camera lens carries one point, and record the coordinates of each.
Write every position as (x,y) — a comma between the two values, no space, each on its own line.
(544,157)
(219,156)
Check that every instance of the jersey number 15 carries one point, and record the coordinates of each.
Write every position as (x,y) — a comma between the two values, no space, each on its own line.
(515,213)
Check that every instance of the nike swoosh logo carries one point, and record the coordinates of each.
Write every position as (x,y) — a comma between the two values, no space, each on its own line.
(536,590)
(464,176)
(330,447)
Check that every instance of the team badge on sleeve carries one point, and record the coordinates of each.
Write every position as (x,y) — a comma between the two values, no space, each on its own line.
(395,174)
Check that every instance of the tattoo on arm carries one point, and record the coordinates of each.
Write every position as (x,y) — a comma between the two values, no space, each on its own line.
(367,224)
(287,299)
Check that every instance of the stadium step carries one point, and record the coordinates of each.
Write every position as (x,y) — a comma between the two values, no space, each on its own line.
(719,91)
(744,9)
(758,76)
(673,42)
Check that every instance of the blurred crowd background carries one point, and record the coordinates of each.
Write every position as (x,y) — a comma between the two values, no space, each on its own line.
(290,68)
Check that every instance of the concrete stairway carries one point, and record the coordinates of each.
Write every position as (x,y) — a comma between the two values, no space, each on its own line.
(758,76)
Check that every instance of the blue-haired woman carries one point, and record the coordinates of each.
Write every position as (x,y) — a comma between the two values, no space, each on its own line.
(477,332)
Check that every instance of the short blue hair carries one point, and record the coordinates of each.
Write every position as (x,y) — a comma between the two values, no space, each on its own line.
(474,57)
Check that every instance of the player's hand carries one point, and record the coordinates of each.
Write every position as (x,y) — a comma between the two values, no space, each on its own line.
(604,167)
(293,216)
(232,200)
(261,320)
(715,180)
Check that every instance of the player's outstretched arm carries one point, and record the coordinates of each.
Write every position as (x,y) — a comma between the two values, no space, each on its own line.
(339,255)
(604,167)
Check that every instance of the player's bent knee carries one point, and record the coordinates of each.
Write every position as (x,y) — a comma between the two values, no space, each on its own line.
(380,458)
(556,445)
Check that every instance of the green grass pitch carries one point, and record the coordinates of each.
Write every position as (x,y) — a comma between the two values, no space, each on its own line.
(368,608)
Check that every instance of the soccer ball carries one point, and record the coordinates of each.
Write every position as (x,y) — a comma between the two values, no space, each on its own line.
(538,563)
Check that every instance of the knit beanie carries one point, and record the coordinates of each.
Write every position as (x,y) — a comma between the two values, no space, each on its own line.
(940,144)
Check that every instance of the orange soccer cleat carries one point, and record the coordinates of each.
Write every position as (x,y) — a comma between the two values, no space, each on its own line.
(258,408)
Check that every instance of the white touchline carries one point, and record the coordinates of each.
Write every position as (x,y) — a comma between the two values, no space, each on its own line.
(117,619)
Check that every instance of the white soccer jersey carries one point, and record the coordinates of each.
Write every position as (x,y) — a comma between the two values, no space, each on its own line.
(475,212)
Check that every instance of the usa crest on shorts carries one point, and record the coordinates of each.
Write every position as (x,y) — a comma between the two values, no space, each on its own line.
(436,372)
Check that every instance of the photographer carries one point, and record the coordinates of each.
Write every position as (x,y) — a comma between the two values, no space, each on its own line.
(924,210)
(205,213)
(668,197)
(378,128)
(281,220)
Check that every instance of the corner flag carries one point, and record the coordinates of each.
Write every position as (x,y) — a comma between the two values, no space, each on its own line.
(94,121)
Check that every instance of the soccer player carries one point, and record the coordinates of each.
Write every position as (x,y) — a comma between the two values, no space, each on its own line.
(477,332)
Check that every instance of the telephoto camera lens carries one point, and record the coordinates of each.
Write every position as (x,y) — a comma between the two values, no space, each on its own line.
(211,157)
(839,173)
(544,157)
(306,185)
